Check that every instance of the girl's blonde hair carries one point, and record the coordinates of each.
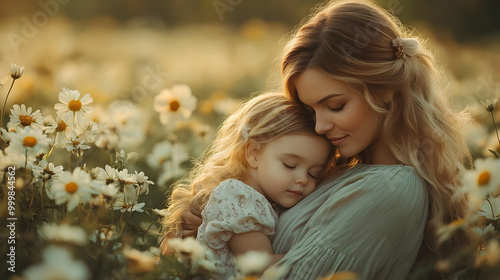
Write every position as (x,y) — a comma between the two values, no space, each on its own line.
(354,42)
(259,120)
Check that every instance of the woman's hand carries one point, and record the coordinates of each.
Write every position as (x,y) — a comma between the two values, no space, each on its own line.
(190,224)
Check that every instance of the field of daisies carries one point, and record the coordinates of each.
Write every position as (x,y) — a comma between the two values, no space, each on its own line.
(97,122)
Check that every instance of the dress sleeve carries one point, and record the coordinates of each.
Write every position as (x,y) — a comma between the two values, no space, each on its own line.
(372,226)
(235,208)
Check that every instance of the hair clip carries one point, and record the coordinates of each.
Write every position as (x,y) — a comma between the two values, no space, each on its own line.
(244,132)
(400,53)
(405,47)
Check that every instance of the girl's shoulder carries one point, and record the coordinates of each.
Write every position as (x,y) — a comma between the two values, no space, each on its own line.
(233,185)
(236,189)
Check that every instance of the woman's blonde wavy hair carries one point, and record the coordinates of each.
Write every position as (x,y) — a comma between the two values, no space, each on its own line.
(267,116)
(352,41)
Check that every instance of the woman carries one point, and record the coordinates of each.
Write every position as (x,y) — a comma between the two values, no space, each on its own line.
(374,92)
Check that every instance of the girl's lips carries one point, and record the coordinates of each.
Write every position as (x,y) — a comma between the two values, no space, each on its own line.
(296,193)
(337,140)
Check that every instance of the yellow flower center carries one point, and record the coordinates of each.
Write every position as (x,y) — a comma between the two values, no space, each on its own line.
(174,105)
(29,141)
(484,178)
(26,120)
(61,126)
(75,105)
(71,187)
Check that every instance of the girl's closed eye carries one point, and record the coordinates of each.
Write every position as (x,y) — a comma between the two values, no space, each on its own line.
(312,176)
(291,166)
(314,173)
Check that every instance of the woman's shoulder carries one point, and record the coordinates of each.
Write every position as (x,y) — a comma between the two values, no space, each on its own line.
(389,181)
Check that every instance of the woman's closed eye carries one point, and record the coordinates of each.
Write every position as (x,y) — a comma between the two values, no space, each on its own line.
(336,109)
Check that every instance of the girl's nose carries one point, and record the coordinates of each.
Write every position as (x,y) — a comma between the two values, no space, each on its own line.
(301,178)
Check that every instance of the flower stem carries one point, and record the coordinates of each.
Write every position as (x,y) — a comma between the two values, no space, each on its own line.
(69,160)
(26,164)
(491,207)
(43,196)
(33,196)
(5,103)
(495,125)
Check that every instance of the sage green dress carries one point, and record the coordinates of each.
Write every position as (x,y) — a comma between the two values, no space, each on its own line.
(370,220)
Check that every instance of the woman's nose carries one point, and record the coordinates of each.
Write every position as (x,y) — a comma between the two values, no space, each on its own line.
(323,125)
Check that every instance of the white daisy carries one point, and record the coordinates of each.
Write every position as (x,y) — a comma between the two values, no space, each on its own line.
(103,235)
(108,191)
(187,246)
(252,262)
(75,143)
(64,233)
(166,151)
(201,258)
(57,263)
(73,107)
(128,122)
(47,170)
(107,139)
(142,182)
(169,157)
(30,141)
(120,204)
(63,129)
(22,117)
(11,158)
(488,105)
(112,176)
(175,104)
(4,135)
(171,170)
(139,262)
(72,188)
(127,201)
(16,71)
(484,179)
(87,130)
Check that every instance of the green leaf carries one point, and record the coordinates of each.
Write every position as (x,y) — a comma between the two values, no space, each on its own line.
(495,153)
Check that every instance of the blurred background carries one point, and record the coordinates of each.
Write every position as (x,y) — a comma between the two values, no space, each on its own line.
(224,50)
(230,46)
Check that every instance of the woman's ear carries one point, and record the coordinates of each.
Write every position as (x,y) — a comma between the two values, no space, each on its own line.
(252,154)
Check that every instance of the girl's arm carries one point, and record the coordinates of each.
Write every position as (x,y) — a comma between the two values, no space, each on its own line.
(253,241)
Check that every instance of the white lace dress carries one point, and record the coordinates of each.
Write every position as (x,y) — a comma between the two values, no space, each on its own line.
(233,208)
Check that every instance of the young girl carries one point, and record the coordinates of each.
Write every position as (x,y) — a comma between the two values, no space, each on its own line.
(265,155)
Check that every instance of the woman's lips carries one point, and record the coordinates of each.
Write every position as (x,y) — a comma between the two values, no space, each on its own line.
(337,140)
